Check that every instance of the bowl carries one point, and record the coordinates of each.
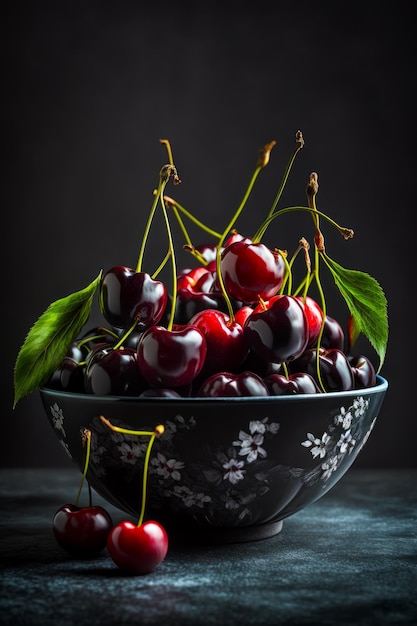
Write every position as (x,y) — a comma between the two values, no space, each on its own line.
(225,469)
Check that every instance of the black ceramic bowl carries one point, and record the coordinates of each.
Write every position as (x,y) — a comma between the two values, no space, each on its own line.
(225,470)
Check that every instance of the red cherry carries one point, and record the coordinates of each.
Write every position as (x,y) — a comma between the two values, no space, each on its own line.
(226,345)
(138,549)
(171,358)
(363,371)
(279,385)
(126,295)
(251,271)
(82,531)
(335,370)
(242,314)
(198,279)
(333,337)
(277,330)
(314,316)
(228,385)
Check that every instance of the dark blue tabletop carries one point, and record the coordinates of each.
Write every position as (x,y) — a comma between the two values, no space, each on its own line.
(348,559)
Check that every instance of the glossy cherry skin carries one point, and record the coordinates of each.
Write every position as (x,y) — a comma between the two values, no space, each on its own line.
(127,296)
(171,358)
(279,385)
(82,531)
(69,376)
(278,332)
(190,302)
(229,385)
(335,370)
(251,271)
(333,336)
(314,315)
(198,279)
(114,372)
(226,345)
(138,550)
(363,371)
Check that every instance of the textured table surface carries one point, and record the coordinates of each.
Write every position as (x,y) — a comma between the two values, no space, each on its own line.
(348,559)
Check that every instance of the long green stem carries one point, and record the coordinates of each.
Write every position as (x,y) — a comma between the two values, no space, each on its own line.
(347,233)
(174,267)
(159,191)
(145,478)
(191,217)
(299,143)
(157,432)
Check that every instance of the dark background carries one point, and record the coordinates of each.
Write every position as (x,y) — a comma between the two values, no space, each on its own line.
(91,87)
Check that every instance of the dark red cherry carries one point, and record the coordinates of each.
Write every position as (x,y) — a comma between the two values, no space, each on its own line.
(228,385)
(114,372)
(82,531)
(127,296)
(363,371)
(189,303)
(335,370)
(277,331)
(333,336)
(159,392)
(279,385)
(69,376)
(251,271)
(171,358)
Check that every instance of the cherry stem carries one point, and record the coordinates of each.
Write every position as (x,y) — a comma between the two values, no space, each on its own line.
(157,432)
(263,160)
(347,233)
(86,439)
(125,336)
(174,268)
(161,265)
(299,143)
(178,208)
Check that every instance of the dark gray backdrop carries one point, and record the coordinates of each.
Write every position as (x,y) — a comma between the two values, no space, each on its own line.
(92,87)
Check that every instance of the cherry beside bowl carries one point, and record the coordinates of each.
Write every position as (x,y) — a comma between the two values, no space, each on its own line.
(224,470)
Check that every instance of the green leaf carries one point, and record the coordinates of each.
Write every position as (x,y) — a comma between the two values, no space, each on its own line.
(49,339)
(367,304)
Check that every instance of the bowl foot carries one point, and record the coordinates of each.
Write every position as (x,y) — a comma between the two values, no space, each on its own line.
(210,536)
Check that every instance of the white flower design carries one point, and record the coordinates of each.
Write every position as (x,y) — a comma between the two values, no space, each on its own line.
(234,471)
(58,418)
(344,418)
(167,468)
(250,446)
(360,406)
(130,452)
(318,446)
(189,498)
(346,442)
(65,446)
(329,467)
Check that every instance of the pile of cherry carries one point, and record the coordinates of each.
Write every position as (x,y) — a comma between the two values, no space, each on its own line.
(269,343)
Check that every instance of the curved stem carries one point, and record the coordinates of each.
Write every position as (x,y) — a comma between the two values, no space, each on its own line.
(347,233)
(125,336)
(159,192)
(299,143)
(191,217)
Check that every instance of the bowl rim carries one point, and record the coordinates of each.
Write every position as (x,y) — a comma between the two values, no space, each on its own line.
(380,387)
